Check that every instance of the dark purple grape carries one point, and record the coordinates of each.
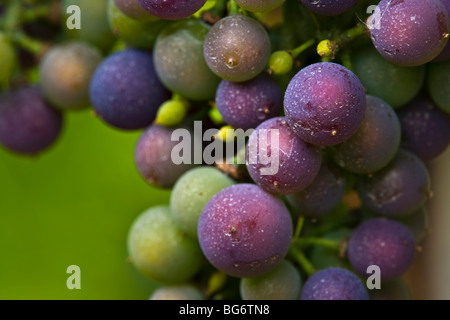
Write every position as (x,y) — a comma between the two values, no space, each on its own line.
(278,160)
(325,103)
(28,125)
(153,157)
(125,90)
(410,32)
(375,143)
(172,9)
(244,231)
(329,7)
(133,9)
(398,189)
(445,54)
(323,194)
(259,5)
(385,243)
(425,129)
(334,284)
(245,105)
(237,48)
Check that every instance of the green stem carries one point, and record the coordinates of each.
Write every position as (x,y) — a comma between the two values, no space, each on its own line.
(322,242)
(12,16)
(351,34)
(233,8)
(346,61)
(35,13)
(34,46)
(299,227)
(297,51)
(302,260)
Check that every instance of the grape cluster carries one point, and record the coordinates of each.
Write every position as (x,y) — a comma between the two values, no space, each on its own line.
(342,119)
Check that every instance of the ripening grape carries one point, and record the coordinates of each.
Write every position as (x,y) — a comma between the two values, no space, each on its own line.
(133,9)
(325,103)
(159,250)
(125,90)
(323,194)
(172,9)
(259,5)
(177,292)
(244,231)
(374,144)
(278,160)
(191,193)
(245,105)
(180,63)
(153,157)
(398,189)
(378,75)
(438,83)
(385,243)
(94,23)
(65,74)
(282,283)
(7,58)
(334,284)
(28,125)
(237,48)
(329,7)
(136,33)
(425,129)
(410,32)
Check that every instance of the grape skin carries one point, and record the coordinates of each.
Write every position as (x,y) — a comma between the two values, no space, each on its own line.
(172,9)
(411,32)
(325,103)
(237,48)
(177,292)
(133,9)
(329,7)
(244,231)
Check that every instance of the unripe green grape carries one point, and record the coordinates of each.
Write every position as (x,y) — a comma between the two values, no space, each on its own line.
(438,83)
(160,250)
(325,48)
(179,60)
(94,23)
(191,193)
(281,62)
(65,74)
(282,283)
(139,34)
(171,113)
(395,84)
(7,58)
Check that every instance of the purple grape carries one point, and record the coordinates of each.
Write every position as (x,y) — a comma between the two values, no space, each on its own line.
(125,90)
(329,7)
(133,9)
(323,194)
(410,32)
(245,105)
(385,243)
(293,164)
(375,143)
(325,103)
(425,129)
(237,48)
(445,54)
(28,125)
(153,157)
(244,231)
(172,9)
(398,189)
(334,284)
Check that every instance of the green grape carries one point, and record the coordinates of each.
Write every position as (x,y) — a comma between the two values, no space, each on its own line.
(94,23)
(177,292)
(281,62)
(282,283)
(171,113)
(160,250)
(65,74)
(7,58)
(139,34)
(180,63)
(438,83)
(322,257)
(191,193)
(397,85)
(391,290)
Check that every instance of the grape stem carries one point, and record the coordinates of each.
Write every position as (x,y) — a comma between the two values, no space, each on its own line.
(233,8)
(299,227)
(322,242)
(302,260)
(300,49)
(34,46)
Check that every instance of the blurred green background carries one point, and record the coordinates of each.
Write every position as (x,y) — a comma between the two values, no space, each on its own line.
(73,205)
